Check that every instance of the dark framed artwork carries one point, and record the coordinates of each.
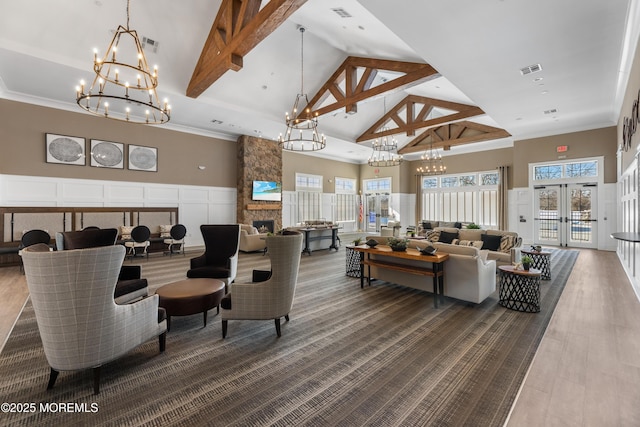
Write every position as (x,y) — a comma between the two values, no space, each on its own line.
(143,158)
(106,154)
(66,150)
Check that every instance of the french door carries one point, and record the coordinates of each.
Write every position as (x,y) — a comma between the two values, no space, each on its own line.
(377,209)
(565,215)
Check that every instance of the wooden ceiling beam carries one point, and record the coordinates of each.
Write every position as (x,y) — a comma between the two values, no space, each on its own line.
(239,26)
(460,112)
(452,134)
(414,73)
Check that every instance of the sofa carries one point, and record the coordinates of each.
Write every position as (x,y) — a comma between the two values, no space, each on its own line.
(468,275)
(501,246)
(251,240)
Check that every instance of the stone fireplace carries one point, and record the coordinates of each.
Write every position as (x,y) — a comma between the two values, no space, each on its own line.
(264,226)
(260,160)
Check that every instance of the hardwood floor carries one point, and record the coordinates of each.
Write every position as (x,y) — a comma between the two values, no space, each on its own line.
(586,371)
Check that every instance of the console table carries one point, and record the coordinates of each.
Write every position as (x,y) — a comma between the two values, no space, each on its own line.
(426,265)
(312,234)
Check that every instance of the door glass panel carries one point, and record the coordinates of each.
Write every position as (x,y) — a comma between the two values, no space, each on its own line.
(548,214)
(581,215)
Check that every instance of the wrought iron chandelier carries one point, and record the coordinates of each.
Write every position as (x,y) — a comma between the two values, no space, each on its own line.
(124,87)
(385,150)
(302,127)
(432,163)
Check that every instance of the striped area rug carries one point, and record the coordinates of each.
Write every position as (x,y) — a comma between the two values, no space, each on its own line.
(379,356)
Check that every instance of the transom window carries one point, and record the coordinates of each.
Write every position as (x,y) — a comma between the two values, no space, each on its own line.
(377,185)
(566,170)
(306,182)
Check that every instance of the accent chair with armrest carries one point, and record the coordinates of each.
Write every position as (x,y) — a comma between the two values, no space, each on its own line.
(251,240)
(80,323)
(271,298)
(131,286)
(220,258)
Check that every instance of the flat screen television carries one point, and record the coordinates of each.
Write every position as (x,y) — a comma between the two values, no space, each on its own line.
(267,190)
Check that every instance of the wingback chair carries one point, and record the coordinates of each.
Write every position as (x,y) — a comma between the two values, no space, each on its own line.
(131,286)
(273,298)
(80,324)
(220,258)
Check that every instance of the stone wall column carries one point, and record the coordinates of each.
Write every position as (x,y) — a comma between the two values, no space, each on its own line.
(260,160)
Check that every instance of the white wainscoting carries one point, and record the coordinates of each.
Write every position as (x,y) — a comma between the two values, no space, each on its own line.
(197,204)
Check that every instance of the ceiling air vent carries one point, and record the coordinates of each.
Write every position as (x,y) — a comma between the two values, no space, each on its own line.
(530,69)
(553,110)
(341,12)
(150,45)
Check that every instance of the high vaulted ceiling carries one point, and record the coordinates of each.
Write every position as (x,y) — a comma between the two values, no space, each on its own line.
(477,49)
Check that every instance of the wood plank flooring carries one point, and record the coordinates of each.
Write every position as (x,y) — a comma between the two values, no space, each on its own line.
(586,371)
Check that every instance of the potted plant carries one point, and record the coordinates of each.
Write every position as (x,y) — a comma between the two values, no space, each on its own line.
(473,226)
(526,262)
(397,244)
(357,241)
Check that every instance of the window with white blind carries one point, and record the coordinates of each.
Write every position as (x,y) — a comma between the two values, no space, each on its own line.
(346,206)
(469,197)
(309,196)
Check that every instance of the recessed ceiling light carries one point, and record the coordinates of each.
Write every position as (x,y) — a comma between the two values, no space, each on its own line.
(544,92)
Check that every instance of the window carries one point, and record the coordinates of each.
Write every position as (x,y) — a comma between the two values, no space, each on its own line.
(489,178)
(382,185)
(346,200)
(429,183)
(566,170)
(467,180)
(309,195)
(471,197)
(574,170)
(547,172)
(449,181)
(305,182)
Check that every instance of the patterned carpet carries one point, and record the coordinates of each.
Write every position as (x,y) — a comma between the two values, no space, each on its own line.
(379,356)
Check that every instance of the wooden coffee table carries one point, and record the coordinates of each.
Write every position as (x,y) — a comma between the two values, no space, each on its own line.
(519,289)
(190,296)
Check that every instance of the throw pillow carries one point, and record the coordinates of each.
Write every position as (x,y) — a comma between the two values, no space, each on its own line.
(125,232)
(475,243)
(491,242)
(457,224)
(426,225)
(433,235)
(165,230)
(507,243)
(446,237)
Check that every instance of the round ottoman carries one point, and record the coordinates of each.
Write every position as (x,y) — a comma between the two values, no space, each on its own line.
(190,296)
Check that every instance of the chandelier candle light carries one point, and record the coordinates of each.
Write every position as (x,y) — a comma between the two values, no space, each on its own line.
(124,87)
(385,150)
(432,163)
(302,127)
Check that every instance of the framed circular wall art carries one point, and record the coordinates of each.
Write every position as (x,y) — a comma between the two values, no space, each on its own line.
(105,154)
(143,158)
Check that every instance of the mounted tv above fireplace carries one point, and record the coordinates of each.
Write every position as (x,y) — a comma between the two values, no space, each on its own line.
(267,190)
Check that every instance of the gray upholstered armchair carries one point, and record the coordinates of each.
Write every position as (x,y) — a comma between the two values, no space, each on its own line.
(80,324)
(273,298)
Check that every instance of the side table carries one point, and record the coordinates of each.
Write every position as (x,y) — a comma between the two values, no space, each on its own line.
(541,261)
(353,261)
(520,289)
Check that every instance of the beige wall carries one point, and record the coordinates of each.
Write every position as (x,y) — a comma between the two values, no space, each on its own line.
(329,169)
(591,143)
(22,145)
